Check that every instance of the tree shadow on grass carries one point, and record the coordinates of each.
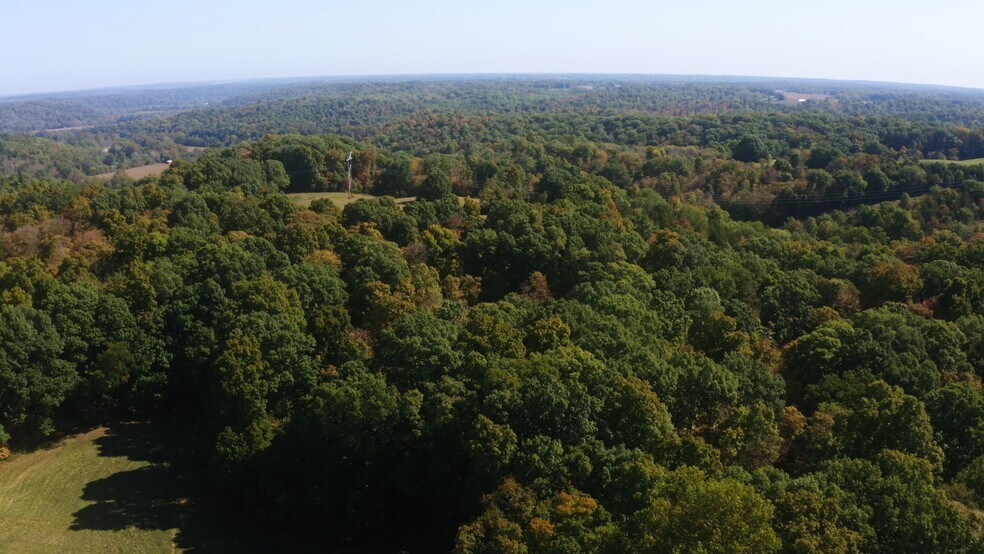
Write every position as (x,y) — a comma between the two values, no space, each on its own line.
(170,493)
(139,442)
(145,498)
(159,496)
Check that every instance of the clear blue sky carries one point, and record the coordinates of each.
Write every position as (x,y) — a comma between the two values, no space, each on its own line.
(48,45)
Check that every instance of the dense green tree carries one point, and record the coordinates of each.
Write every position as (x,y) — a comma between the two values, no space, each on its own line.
(904,508)
(788,303)
(436,186)
(34,379)
(957,415)
(555,184)
(886,418)
(384,215)
(418,347)
(816,516)
(694,513)
(750,148)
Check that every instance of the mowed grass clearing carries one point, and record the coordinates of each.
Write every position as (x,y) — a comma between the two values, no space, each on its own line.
(137,173)
(45,505)
(341,199)
(975,161)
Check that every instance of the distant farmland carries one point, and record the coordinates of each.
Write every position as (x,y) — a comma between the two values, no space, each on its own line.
(136,173)
(798,97)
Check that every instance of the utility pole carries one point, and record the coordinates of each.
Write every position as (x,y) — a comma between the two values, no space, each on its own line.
(348,166)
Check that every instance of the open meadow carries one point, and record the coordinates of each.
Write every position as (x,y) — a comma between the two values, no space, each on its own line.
(110,490)
(137,173)
(72,497)
(342,199)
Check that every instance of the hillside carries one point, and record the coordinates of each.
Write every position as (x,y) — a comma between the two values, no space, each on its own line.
(606,317)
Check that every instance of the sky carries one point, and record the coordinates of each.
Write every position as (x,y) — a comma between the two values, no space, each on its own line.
(60,45)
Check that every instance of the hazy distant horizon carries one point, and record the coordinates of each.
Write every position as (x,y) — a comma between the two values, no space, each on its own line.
(408,77)
(61,46)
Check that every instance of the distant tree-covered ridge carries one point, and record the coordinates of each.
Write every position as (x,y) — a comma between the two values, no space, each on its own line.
(734,142)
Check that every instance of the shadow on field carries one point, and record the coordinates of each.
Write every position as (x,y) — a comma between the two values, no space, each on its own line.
(146,498)
(160,497)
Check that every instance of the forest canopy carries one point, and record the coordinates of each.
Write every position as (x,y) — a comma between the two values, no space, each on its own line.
(687,320)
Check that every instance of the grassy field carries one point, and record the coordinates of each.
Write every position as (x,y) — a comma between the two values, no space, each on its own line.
(56,500)
(136,173)
(795,97)
(975,161)
(303,199)
(111,490)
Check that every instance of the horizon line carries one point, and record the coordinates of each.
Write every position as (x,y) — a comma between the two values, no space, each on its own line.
(160,85)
